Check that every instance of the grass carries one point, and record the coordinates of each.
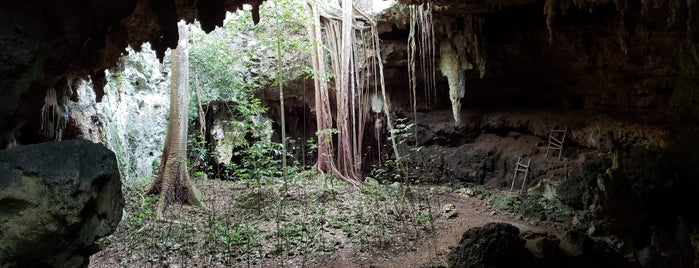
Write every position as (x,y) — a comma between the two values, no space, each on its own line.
(247,224)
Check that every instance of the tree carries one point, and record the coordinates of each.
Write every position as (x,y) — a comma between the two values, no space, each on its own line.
(354,61)
(322,99)
(172,181)
(345,155)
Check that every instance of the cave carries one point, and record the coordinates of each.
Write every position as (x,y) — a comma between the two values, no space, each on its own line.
(495,82)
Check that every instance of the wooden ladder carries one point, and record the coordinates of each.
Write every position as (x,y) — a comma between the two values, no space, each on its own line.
(556,139)
(521,167)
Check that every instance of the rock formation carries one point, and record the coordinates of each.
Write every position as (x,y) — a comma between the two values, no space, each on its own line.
(56,200)
(493,245)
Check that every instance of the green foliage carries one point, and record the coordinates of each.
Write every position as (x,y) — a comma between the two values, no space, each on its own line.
(423,218)
(231,64)
(506,201)
(212,61)
(260,161)
(198,154)
(398,170)
(240,236)
(284,33)
(144,210)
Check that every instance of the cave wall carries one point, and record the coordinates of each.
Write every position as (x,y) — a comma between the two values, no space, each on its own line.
(611,56)
(49,44)
(622,75)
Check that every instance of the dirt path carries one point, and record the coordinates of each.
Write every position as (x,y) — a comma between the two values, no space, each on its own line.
(472,212)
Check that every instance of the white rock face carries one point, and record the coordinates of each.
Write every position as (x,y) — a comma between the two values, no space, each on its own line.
(86,115)
(131,120)
(223,135)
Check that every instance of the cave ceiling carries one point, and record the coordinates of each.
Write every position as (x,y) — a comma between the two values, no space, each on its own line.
(49,44)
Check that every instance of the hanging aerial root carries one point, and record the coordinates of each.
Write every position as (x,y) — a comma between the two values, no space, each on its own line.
(421,53)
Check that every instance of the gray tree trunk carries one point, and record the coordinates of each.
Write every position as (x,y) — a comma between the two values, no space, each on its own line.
(172,181)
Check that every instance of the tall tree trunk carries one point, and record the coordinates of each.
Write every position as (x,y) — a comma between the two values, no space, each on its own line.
(322,98)
(280,82)
(172,181)
(200,109)
(345,156)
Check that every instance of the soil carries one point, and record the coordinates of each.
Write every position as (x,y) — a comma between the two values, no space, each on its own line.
(471,212)
(147,244)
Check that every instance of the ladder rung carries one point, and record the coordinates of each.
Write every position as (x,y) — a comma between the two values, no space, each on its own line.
(554,145)
(556,140)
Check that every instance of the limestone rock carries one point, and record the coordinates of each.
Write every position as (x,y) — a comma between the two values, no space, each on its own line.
(449,211)
(56,199)
(132,118)
(136,113)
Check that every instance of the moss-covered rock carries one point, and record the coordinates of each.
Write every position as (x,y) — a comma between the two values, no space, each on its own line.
(56,200)
(493,245)
(575,191)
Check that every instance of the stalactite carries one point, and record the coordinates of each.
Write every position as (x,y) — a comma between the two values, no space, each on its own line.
(462,50)
(451,67)
(551,11)
(622,32)
(475,45)
(53,116)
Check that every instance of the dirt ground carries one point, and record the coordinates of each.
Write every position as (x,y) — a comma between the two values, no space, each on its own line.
(471,212)
(147,244)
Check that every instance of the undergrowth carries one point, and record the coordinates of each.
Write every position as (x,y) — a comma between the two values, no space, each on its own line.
(244,223)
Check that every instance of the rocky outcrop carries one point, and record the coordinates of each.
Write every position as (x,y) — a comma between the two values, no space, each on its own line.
(132,118)
(56,200)
(223,135)
(502,245)
(86,120)
(135,111)
(485,148)
(229,139)
(626,188)
(493,245)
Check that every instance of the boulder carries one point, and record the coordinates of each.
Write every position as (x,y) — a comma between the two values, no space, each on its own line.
(56,200)
(493,245)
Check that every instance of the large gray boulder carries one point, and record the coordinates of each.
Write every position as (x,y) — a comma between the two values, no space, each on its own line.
(56,200)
